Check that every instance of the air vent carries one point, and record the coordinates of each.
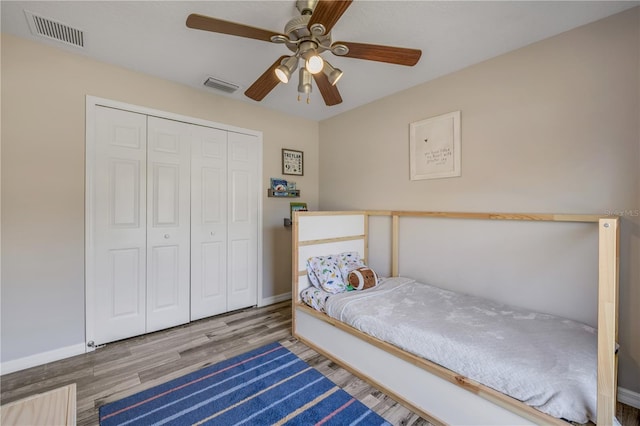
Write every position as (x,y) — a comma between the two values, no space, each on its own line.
(54,30)
(224,86)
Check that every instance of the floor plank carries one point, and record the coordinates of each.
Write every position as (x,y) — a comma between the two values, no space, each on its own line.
(123,368)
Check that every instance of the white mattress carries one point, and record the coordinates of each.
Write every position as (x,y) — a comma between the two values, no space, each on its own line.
(545,361)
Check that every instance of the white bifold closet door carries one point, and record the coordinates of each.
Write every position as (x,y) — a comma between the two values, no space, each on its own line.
(168,223)
(242,226)
(224,221)
(208,222)
(141,224)
(119,230)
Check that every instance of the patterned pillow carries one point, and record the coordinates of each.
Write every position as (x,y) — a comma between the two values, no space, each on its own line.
(315,297)
(327,273)
(362,278)
(311,275)
(347,262)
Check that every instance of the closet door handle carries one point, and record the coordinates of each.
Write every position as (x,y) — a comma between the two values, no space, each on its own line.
(167,236)
(212,233)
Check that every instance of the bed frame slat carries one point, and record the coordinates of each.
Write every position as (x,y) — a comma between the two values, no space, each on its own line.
(609,233)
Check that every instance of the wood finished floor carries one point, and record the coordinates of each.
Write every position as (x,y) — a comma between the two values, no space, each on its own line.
(129,366)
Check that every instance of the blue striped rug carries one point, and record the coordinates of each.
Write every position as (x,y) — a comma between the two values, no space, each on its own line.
(267,386)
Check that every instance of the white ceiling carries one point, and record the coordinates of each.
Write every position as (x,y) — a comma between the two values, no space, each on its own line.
(151,37)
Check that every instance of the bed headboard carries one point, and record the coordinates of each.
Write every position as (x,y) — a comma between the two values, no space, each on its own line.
(325,233)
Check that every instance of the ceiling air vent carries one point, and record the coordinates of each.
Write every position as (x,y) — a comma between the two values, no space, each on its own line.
(54,30)
(225,86)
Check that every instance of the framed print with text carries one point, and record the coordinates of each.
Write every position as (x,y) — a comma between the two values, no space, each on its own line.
(292,162)
(434,147)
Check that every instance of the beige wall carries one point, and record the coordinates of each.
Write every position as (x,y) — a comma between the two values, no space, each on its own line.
(552,127)
(43,139)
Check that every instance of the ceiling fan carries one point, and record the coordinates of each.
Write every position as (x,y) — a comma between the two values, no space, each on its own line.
(307,36)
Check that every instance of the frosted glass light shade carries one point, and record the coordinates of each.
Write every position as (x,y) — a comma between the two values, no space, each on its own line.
(314,64)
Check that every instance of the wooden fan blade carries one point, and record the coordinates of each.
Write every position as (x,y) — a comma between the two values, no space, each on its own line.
(265,83)
(206,23)
(375,52)
(330,93)
(327,13)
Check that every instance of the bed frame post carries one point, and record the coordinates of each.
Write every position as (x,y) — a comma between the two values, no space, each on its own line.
(395,247)
(608,255)
(366,235)
(295,277)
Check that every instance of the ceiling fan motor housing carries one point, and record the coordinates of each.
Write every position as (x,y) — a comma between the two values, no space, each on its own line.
(296,28)
(298,32)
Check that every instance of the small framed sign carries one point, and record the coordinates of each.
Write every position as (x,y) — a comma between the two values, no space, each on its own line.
(292,162)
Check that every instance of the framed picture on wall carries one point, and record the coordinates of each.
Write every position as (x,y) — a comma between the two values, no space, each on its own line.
(292,162)
(434,147)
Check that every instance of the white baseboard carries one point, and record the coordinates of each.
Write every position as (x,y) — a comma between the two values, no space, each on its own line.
(274,299)
(629,397)
(41,358)
(80,348)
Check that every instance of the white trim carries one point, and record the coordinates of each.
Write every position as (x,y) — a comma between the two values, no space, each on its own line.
(91,102)
(629,397)
(260,218)
(41,358)
(89,314)
(274,299)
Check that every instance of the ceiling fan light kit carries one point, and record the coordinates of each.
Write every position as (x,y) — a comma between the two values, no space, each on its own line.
(333,74)
(307,36)
(286,69)
(313,62)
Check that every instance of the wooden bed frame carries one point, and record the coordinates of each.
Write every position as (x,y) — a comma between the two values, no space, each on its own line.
(436,393)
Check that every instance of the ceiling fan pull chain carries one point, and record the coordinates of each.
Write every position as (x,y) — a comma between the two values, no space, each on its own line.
(308,98)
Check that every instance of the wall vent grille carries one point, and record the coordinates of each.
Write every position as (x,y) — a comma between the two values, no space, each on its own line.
(224,86)
(45,27)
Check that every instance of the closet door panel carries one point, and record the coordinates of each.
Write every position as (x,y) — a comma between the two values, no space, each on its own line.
(118,225)
(165,275)
(243,221)
(168,219)
(208,222)
(240,253)
(124,182)
(124,291)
